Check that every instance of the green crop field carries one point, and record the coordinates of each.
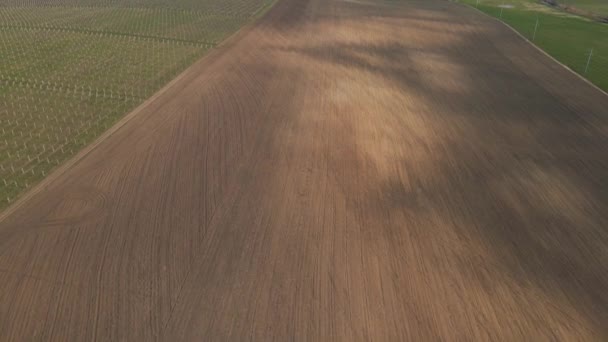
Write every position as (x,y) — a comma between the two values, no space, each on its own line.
(69,69)
(569,38)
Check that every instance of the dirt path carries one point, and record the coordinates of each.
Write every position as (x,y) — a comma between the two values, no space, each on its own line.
(344,170)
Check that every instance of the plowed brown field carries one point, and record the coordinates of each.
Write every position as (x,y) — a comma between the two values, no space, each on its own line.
(341,170)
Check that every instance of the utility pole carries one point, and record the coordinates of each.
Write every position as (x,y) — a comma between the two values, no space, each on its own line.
(588,61)
(535,28)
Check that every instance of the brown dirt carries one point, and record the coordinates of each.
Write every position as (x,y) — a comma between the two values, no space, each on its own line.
(343,170)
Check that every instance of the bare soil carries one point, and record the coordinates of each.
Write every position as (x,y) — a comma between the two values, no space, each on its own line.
(340,171)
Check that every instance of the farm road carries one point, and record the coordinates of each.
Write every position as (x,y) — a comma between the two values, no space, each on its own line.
(341,170)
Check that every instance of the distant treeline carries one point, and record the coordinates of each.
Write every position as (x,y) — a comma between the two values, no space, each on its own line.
(577,11)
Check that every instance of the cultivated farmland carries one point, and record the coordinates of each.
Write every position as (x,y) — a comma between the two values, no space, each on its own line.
(70,69)
(360,170)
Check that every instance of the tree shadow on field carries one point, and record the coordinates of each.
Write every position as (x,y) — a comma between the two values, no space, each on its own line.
(511,164)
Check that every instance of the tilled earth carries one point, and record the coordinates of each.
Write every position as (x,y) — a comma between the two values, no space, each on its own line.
(341,170)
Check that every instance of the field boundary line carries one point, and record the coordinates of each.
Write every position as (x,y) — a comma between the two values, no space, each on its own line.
(53,175)
(539,49)
(222,46)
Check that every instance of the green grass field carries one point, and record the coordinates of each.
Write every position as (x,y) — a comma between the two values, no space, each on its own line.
(69,69)
(566,37)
